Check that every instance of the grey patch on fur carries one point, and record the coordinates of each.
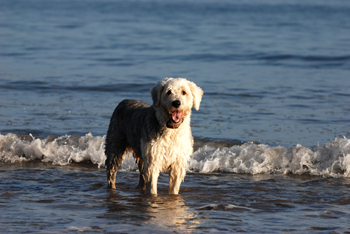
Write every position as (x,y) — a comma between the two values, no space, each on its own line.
(131,121)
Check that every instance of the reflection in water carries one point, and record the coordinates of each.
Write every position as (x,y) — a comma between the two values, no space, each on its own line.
(163,212)
(170,210)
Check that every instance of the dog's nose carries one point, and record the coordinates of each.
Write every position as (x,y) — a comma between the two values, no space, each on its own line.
(176,103)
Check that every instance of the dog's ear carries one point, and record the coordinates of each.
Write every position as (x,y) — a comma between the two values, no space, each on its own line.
(197,94)
(157,90)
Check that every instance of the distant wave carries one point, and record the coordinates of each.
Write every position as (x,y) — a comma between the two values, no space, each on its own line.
(325,60)
(330,160)
(310,58)
(45,86)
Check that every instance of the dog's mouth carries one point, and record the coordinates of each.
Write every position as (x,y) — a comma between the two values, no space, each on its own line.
(176,119)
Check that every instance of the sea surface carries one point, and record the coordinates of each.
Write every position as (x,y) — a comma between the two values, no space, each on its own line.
(272,135)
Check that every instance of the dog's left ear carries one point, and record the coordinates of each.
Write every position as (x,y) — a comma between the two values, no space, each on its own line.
(157,90)
(197,94)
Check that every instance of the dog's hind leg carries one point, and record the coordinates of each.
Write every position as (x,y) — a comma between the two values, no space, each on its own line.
(141,185)
(115,150)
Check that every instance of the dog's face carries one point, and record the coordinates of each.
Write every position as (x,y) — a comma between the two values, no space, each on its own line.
(175,98)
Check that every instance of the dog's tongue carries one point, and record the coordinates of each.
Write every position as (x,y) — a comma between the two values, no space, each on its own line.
(176,116)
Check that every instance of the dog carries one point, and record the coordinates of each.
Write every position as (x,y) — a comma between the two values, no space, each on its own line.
(159,135)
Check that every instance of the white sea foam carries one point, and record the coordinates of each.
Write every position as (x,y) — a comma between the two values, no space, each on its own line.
(332,159)
(60,151)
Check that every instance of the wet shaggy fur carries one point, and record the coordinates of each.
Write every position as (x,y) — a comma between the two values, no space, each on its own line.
(158,135)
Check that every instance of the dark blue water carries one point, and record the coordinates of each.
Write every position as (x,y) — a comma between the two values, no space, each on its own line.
(273,72)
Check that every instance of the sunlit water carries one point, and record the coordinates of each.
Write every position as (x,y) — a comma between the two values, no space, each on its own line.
(274,73)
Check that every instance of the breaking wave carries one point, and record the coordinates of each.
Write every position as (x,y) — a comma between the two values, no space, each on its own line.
(329,160)
(58,150)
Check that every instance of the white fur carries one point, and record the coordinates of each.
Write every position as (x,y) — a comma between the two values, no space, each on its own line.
(159,135)
(175,146)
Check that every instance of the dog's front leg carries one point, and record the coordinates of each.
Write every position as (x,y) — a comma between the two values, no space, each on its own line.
(151,185)
(175,178)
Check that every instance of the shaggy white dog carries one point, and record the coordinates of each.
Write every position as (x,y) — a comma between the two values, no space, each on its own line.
(159,136)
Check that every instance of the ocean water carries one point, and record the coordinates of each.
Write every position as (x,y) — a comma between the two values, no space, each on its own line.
(272,136)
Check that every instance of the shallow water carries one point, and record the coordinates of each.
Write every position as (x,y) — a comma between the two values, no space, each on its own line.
(35,197)
(59,185)
(274,73)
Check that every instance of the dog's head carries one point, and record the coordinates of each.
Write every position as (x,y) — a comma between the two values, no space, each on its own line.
(174,98)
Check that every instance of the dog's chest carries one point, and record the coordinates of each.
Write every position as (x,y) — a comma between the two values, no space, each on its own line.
(170,149)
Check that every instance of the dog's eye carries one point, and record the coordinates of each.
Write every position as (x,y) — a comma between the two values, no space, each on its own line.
(168,93)
(183,92)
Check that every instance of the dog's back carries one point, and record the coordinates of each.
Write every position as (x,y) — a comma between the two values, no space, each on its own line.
(127,119)
(131,121)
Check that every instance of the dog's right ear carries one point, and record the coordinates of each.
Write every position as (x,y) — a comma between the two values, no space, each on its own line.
(157,90)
